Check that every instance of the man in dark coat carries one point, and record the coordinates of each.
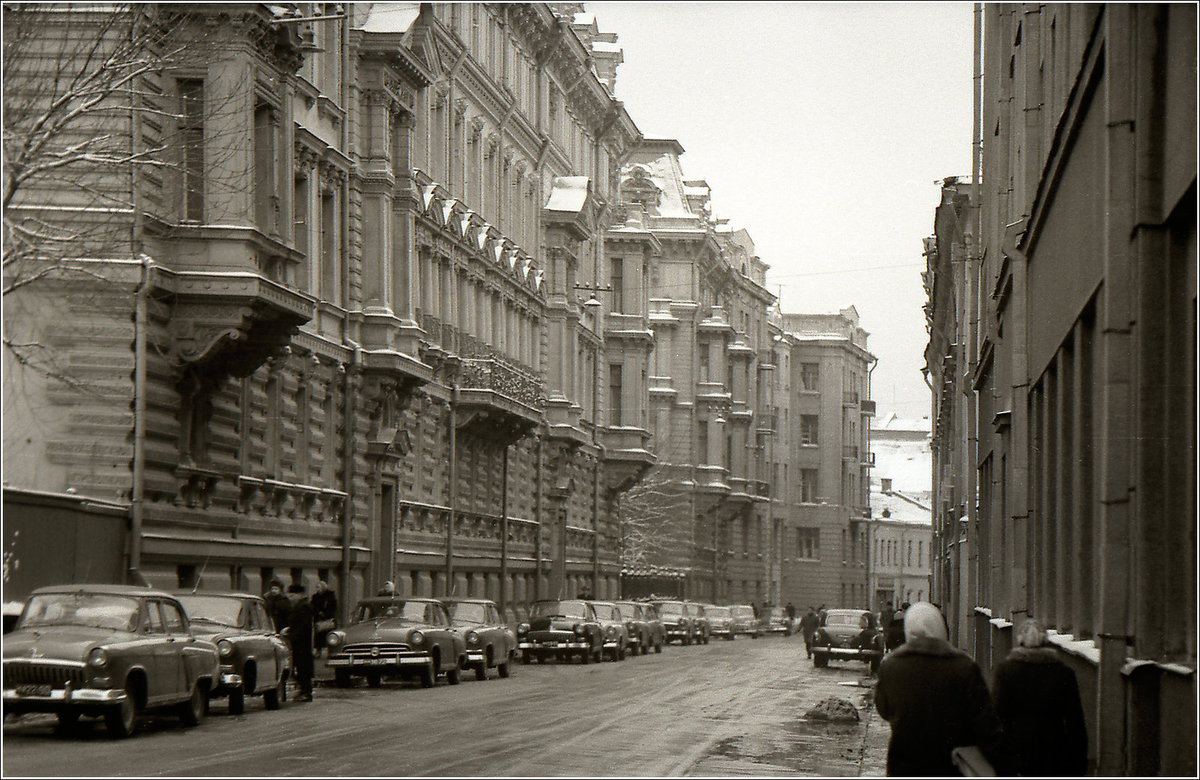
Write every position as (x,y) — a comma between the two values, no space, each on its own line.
(808,626)
(935,698)
(324,605)
(1041,716)
(279,607)
(300,637)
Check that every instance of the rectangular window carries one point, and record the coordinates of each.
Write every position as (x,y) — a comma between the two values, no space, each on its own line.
(703,356)
(617,283)
(702,442)
(808,486)
(264,168)
(808,543)
(810,375)
(614,394)
(808,429)
(191,97)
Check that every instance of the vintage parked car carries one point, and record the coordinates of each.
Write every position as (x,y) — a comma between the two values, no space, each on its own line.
(744,620)
(720,621)
(254,659)
(616,634)
(399,637)
(561,629)
(777,622)
(700,624)
(645,629)
(490,642)
(851,634)
(677,620)
(107,650)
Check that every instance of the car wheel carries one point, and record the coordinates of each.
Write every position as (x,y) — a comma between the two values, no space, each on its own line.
(525,658)
(427,675)
(119,721)
(374,679)
(192,710)
(503,669)
(481,672)
(598,654)
(342,678)
(273,699)
(586,656)
(820,660)
(707,638)
(658,647)
(237,700)
(619,653)
(874,663)
(454,676)
(644,647)
(687,640)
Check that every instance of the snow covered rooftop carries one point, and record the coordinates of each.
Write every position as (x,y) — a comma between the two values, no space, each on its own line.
(605,46)
(569,193)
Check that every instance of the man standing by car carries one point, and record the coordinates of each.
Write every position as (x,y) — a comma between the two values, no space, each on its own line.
(808,625)
(300,636)
(278,605)
(324,606)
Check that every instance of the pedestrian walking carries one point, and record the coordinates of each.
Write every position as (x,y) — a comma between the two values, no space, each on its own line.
(894,636)
(1037,700)
(935,698)
(324,606)
(300,637)
(279,607)
(808,626)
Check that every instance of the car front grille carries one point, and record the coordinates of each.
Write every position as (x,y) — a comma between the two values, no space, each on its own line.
(369,648)
(29,673)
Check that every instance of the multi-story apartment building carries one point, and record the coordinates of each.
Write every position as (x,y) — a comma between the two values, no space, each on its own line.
(352,285)
(824,459)
(1063,300)
(901,534)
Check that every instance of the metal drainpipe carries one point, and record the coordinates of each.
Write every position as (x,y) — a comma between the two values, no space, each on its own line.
(138,493)
(538,510)
(351,411)
(504,532)
(451,489)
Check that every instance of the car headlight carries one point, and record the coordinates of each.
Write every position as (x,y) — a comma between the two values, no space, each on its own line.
(225,648)
(611,630)
(523,629)
(472,638)
(578,630)
(334,638)
(97,657)
(416,638)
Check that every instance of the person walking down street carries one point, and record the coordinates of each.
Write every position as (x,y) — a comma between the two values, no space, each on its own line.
(324,606)
(1041,716)
(279,607)
(790,611)
(935,698)
(808,626)
(894,636)
(300,637)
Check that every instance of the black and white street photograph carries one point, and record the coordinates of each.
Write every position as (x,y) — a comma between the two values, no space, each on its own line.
(599,389)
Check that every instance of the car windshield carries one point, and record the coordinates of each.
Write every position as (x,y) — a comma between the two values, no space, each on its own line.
(721,613)
(467,613)
(575,609)
(605,612)
(413,611)
(742,612)
(670,609)
(628,611)
(96,610)
(777,614)
(853,619)
(222,610)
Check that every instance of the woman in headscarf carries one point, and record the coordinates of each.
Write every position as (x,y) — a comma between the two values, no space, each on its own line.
(935,698)
(1041,716)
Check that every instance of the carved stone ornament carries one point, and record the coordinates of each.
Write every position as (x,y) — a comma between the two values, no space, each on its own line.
(305,159)
(493,143)
(460,110)
(476,127)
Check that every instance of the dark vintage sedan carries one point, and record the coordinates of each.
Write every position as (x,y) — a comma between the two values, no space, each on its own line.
(402,637)
(677,620)
(848,634)
(777,621)
(616,634)
(561,629)
(701,628)
(254,659)
(107,650)
(645,629)
(490,642)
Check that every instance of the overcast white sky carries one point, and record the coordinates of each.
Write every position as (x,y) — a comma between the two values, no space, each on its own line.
(824,130)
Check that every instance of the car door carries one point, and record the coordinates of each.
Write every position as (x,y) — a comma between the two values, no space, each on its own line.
(438,622)
(194,659)
(264,644)
(164,672)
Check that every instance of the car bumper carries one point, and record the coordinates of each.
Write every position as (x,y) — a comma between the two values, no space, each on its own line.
(849,652)
(61,698)
(381,661)
(554,645)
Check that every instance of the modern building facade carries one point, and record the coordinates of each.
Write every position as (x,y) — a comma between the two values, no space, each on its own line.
(1063,357)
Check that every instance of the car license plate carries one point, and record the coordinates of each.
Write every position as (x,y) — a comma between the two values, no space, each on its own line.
(33,690)
(377,661)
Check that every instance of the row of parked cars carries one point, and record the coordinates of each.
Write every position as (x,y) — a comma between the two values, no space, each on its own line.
(115,652)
